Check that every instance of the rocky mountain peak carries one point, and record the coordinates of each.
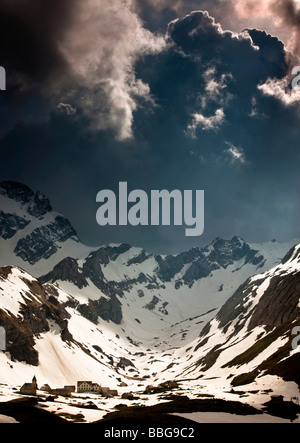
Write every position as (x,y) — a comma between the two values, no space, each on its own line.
(37,204)
(292,255)
(16,191)
(41,231)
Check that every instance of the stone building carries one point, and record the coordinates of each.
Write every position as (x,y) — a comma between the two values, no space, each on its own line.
(95,388)
(84,386)
(29,388)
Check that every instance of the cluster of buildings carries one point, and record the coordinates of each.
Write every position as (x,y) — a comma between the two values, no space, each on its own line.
(95,388)
(66,391)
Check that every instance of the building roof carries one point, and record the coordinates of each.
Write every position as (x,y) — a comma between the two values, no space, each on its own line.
(27,386)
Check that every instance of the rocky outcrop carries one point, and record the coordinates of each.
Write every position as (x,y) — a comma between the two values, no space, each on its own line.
(266,308)
(107,309)
(43,242)
(220,254)
(10,224)
(49,229)
(38,307)
(201,268)
(151,306)
(66,270)
(171,265)
(16,191)
(279,304)
(226,252)
(39,206)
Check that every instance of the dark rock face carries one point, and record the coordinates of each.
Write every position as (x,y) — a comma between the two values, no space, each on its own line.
(39,206)
(20,343)
(235,306)
(124,363)
(277,306)
(107,309)
(288,369)
(151,306)
(10,224)
(16,191)
(42,242)
(203,262)
(32,320)
(105,255)
(172,265)
(226,252)
(143,256)
(280,303)
(66,270)
(200,268)
(92,268)
(290,254)
(276,312)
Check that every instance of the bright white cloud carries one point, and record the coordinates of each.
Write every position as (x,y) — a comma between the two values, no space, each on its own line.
(237,155)
(215,88)
(101,47)
(199,121)
(281,90)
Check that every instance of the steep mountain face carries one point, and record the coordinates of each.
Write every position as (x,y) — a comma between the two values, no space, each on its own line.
(27,307)
(161,289)
(46,334)
(32,235)
(73,312)
(252,334)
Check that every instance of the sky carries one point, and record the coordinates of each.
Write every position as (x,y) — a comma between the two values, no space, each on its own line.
(161,94)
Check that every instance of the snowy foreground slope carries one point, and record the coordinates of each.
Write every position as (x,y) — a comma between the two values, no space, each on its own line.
(213,319)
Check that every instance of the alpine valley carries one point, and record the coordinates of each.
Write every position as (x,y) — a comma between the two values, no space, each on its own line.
(213,324)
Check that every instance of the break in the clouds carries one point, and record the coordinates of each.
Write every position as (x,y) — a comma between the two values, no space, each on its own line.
(285,14)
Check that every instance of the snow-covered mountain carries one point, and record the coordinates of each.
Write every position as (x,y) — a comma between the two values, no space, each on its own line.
(117,312)
(32,235)
(252,335)
(120,282)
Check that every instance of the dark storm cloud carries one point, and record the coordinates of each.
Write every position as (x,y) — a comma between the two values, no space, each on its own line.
(225,68)
(29,36)
(81,54)
(212,91)
(278,17)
